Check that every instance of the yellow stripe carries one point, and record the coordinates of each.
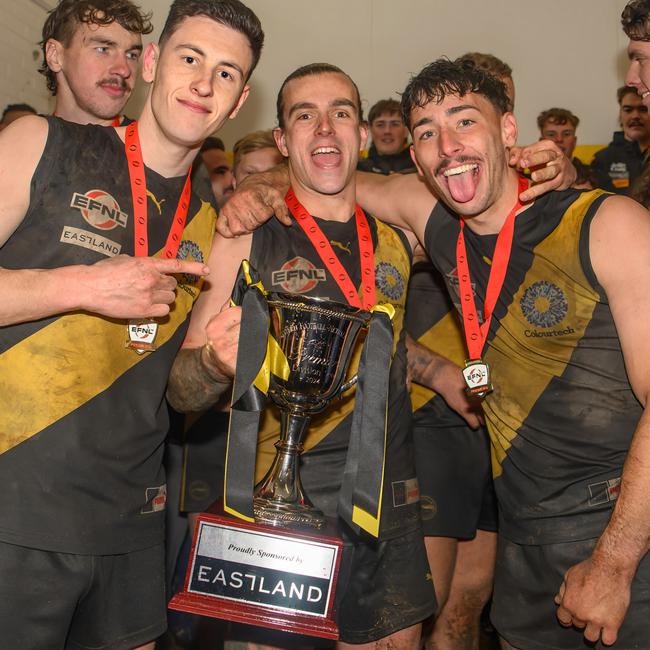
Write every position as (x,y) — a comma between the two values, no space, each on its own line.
(446,338)
(67,363)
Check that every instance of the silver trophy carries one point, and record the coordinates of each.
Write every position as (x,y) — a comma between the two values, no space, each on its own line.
(317,336)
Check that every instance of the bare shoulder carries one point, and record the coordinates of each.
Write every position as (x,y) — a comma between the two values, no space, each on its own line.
(21,147)
(619,239)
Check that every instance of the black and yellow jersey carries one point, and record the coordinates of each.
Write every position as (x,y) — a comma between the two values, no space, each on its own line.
(83,418)
(562,412)
(287,261)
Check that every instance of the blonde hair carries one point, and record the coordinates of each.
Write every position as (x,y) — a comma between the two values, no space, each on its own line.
(252,142)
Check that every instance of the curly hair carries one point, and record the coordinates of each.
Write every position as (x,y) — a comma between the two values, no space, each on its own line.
(636,20)
(557,116)
(63,20)
(444,77)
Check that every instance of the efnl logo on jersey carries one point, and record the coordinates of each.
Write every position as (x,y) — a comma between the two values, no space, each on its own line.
(298,276)
(99,209)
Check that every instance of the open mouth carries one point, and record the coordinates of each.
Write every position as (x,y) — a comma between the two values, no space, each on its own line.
(326,156)
(462,181)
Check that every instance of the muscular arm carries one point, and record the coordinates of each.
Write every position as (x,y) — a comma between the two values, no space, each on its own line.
(441,375)
(205,365)
(596,592)
(120,287)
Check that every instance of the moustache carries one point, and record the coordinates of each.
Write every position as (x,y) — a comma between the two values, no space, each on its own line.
(116,82)
(460,159)
(635,122)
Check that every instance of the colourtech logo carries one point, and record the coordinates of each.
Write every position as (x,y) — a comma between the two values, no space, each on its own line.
(99,209)
(544,304)
(298,276)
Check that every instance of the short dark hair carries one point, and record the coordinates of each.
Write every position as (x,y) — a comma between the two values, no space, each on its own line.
(312,69)
(384,107)
(231,13)
(444,77)
(636,20)
(62,22)
(625,90)
(15,108)
(487,62)
(212,142)
(557,116)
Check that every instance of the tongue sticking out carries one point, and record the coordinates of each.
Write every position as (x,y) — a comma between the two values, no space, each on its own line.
(462,187)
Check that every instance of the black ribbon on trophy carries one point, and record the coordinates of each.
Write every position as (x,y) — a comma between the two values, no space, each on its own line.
(262,366)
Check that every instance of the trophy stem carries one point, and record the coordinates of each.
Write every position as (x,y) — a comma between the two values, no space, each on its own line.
(279,497)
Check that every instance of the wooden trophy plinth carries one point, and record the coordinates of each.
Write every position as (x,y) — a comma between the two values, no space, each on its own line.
(261,575)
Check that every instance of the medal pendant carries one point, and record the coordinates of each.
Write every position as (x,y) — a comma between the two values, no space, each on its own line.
(142,334)
(477,377)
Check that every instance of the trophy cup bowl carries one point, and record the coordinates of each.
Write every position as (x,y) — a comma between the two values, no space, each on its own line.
(317,337)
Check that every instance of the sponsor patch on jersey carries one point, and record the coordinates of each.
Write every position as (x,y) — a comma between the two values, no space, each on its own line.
(90,240)
(155,499)
(99,209)
(405,492)
(189,250)
(298,275)
(389,280)
(544,305)
(604,491)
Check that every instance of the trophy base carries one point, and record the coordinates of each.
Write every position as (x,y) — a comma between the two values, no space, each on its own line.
(260,575)
(287,515)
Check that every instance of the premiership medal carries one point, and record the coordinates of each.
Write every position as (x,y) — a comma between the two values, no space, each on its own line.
(477,377)
(142,333)
(476,372)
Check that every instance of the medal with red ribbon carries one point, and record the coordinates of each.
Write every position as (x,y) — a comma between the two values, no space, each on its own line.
(325,251)
(476,372)
(142,332)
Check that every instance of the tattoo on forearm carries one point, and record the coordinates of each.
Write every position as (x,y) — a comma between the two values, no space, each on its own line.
(190,386)
(422,364)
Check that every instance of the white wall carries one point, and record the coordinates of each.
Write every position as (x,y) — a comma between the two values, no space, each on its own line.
(567,53)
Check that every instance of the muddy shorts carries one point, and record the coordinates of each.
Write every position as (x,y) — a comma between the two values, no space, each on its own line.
(525,583)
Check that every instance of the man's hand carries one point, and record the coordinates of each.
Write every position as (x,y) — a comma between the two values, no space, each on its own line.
(438,373)
(595,597)
(256,200)
(219,355)
(550,168)
(132,287)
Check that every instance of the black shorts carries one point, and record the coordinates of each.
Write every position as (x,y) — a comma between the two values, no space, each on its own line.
(383,587)
(80,602)
(525,583)
(453,468)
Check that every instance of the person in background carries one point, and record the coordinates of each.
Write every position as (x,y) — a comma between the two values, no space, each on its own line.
(617,166)
(389,151)
(219,169)
(254,153)
(559,125)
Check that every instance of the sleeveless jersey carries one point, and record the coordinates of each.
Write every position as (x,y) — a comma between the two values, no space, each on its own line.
(288,262)
(84,418)
(562,413)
